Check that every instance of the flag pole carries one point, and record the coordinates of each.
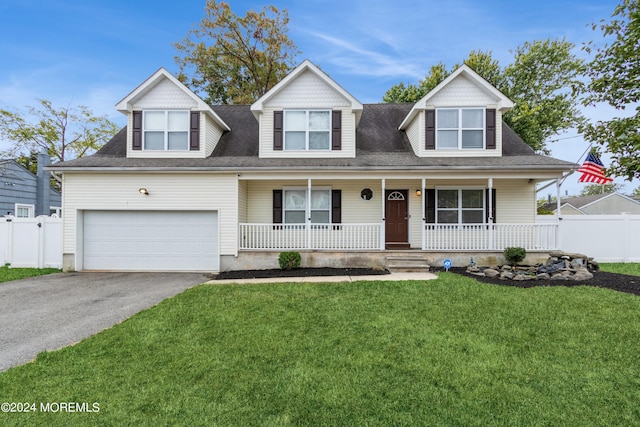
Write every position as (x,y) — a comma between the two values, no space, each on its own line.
(575,169)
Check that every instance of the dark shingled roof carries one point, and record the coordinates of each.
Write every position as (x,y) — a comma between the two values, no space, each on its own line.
(379,144)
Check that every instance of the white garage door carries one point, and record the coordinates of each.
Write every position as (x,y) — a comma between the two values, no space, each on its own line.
(151,241)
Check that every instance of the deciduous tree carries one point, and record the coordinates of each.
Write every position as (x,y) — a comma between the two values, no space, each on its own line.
(235,60)
(614,79)
(64,132)
(592,189)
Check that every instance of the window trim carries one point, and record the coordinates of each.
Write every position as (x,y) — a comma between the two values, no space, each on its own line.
(307,208)
(31,209)
(307,131)
(460,129)
(166,131)
(460,209)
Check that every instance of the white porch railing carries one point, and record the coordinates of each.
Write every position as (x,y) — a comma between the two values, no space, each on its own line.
(437,237)
(479,237)
(310,236)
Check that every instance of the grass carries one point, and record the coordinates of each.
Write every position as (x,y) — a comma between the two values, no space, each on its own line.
(7,274)
(450,351)
(621,268)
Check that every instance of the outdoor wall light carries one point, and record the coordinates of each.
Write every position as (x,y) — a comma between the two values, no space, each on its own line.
(418,193)
(143,191)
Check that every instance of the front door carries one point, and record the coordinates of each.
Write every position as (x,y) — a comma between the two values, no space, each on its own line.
(397,219)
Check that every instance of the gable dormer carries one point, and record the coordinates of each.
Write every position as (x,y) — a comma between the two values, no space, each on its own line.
(166,119)
(461,117)
(307,114)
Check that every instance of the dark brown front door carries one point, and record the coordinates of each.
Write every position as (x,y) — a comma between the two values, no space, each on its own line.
(397,219)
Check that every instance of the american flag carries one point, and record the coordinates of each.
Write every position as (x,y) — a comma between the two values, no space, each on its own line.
(593,170)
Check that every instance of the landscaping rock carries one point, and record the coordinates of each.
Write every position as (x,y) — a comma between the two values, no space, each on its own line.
(506,275)
(559,266)
(583,274)
(490,272)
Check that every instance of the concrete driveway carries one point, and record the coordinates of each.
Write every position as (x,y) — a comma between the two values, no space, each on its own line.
(53,311)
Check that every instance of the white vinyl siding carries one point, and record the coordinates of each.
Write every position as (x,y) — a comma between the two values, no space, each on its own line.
(210,134)
(167,191)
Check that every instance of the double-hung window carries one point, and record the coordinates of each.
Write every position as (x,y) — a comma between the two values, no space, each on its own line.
(460,206)
(166,130)
(307,130)
(24,210)
(295,205)
(460,128)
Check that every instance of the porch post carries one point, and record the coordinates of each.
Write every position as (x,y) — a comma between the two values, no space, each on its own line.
(424,219)
(490,216)
(383,199)
(558,216)
(308,214)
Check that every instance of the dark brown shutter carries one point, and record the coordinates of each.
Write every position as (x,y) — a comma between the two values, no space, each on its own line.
(491,129)
(430,206)
(336,206)
(278,124)
(194,131)
(336,130)
(137,131)
(277,206)
(430,116)
(493,210)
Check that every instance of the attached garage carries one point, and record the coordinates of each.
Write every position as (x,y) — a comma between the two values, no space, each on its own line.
(150,240)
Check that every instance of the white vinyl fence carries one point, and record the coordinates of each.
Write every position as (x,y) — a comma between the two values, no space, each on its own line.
(606,238)
(31,242)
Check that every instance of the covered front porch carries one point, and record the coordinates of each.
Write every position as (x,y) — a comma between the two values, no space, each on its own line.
(359,213)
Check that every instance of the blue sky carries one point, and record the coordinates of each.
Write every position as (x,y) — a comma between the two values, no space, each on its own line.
(94,53)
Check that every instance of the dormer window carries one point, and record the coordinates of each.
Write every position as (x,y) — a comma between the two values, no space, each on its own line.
(165,130)
(307,130)
(460,128)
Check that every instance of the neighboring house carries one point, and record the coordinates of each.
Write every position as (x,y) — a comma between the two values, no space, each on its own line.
(25,195)
(597,204)
(307,167)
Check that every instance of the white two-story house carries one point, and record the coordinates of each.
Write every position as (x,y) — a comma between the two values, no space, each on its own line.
(307,167)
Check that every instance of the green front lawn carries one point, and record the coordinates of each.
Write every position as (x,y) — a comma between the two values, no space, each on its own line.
(621,268)
(7,274)
(450,351)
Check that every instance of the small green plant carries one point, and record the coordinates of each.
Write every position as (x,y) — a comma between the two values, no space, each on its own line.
(289,260)
(514,255)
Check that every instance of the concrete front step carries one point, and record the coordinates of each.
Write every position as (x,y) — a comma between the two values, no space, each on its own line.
(407,264)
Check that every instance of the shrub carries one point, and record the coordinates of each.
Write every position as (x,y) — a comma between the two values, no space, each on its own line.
(289,260)
(514,255)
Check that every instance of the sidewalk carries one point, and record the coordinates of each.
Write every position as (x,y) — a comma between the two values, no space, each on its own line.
(331,279)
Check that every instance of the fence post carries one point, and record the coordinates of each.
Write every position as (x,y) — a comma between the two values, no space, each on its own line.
(41,225)
(9,259)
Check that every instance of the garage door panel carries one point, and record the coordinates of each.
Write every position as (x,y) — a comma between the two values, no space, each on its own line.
(151,240)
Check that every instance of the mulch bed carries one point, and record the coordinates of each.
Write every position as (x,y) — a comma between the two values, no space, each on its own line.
(299,272)
(601,279)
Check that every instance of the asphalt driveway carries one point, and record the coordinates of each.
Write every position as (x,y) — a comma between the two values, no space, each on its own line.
(53,311)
